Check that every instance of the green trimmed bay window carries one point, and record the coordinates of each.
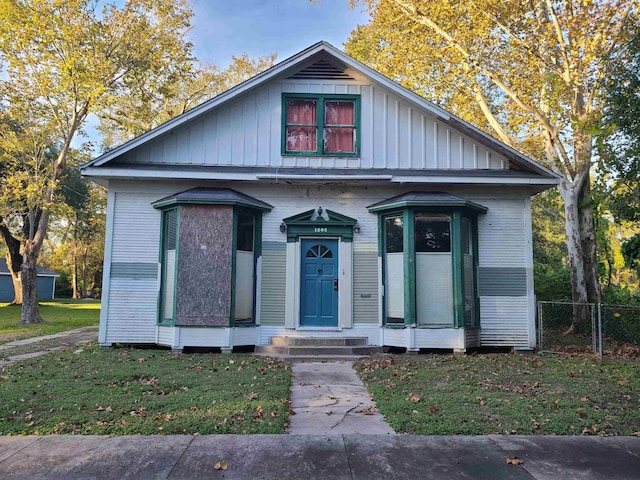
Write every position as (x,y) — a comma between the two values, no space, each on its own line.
(210,245)
(168,261)
(320,125)
(428,244)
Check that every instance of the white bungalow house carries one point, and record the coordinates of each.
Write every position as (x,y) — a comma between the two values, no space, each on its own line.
(318,199)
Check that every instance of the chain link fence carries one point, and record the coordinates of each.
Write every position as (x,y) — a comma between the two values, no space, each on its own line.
(596,328)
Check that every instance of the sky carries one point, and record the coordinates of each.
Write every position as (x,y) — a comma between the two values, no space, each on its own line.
(222,28)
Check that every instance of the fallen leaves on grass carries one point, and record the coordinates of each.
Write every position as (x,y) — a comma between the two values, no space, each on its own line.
(414,397)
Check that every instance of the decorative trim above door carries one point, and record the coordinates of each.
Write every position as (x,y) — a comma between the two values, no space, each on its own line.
(320,223)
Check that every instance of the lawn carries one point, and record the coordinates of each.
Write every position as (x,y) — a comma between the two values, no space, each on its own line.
(61,315)
(505,394)
(122,391)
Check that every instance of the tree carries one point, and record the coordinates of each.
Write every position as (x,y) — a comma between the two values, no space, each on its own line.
(620,149)
(26,153)
(146,101)
(534,72)
(65,60)
(81,231)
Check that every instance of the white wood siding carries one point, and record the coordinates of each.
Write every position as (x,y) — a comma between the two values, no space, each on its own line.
(133,302)
(503,241)
(247,132)
(504,321)
(501,233)
(132,311)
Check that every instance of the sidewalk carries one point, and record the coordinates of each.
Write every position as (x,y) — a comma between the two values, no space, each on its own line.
(17,350)
(308,457)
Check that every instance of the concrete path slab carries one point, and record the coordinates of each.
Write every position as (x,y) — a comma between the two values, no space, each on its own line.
(93,457)
(428,457)
(328,398)
(572,458)
(264,457)
(11,445)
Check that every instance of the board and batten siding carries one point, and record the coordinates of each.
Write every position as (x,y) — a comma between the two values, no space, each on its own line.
(503,273)
(133,281)
(247,132)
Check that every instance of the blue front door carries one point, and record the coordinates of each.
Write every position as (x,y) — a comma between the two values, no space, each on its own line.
(319,283)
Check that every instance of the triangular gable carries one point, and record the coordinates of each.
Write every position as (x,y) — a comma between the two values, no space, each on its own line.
(319,222)
(324,59)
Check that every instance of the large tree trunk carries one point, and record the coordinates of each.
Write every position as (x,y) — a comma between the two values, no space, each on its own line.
(14,262)
(575,253)
(30,305)
(589,244)
(74,274)
(32,246)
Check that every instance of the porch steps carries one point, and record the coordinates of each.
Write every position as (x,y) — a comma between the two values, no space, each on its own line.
(317,348)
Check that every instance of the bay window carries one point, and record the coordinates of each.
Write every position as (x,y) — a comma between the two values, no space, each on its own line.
(428,245)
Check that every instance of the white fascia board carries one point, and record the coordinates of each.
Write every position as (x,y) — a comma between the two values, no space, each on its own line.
(129,173)
(311,177)
(476,180)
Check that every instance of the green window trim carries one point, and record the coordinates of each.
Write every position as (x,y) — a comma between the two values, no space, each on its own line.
(166,322)
(457,213)
(321,124)
(257,252)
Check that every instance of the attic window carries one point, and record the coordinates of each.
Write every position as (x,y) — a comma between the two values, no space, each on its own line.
(317,125)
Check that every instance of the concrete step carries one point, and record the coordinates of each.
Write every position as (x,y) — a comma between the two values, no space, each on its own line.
(275,350)
(322,358)
(319,341)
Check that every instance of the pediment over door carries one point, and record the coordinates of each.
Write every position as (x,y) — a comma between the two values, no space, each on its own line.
(320,222)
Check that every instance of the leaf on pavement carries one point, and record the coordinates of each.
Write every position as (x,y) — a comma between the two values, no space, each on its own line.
(514,460)
(221,465)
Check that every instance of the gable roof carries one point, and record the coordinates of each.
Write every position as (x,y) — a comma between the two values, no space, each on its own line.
(326,60)
(42,272)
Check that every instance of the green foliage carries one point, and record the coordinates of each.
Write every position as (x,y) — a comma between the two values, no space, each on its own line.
(631,252)
(120,391)
(505,394)
(552,278)
(62,315)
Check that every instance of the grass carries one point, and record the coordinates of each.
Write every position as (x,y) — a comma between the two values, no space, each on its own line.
(505,394)
(120,391)
(61,315)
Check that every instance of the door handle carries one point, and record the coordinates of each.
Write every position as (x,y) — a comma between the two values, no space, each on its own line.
(335,284)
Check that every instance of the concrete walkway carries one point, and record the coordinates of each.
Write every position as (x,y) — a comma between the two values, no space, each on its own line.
(37,346)
(328,398)
(308,457)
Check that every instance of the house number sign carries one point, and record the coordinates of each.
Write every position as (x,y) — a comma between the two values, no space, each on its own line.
(320,229)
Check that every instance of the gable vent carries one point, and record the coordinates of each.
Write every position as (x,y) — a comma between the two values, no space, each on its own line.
(322,70)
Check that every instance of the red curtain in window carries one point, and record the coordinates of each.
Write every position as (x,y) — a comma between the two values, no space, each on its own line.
(339,126)
(301,125)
